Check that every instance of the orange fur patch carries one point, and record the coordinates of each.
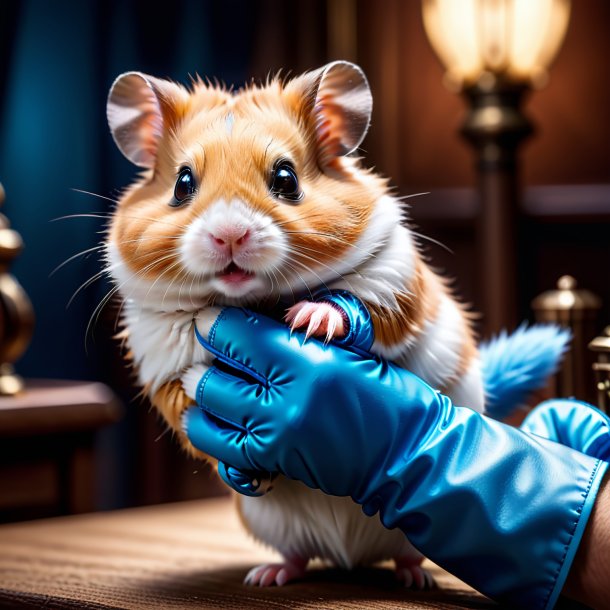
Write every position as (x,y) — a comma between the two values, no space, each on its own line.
(171,401)
(418,303)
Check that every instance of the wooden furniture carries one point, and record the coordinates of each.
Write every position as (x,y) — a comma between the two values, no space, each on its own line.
(46,447)
(185,555)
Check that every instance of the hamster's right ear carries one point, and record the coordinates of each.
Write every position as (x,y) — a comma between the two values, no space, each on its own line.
(337,103)
(139,108)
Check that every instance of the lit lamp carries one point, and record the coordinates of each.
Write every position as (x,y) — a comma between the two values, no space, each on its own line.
(494,51)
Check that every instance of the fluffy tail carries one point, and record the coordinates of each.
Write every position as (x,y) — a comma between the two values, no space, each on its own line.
(515,365)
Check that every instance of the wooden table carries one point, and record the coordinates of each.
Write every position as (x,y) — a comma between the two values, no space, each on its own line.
(46,447)
(186,555)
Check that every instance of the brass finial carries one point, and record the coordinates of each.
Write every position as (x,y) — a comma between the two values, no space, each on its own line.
(577,309)
(567,297)
(601,347)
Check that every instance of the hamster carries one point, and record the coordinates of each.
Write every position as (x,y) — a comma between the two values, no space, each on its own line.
(255,198)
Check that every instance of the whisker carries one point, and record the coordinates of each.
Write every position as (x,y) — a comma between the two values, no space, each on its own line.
(434,241)
(110,216)
(329,235)
(171,283)
(402,197)
(165,257)
(307,268)
(294,250)
(97,311)
(75,256)
(82,215)
(132,279)
(86,284)
(94,195)
(287,282)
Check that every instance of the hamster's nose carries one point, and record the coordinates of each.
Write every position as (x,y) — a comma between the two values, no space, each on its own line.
(230,237)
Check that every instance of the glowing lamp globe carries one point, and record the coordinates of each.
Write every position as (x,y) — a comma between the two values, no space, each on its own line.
(516,40)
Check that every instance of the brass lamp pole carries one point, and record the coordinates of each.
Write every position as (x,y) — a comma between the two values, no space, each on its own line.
(495,51)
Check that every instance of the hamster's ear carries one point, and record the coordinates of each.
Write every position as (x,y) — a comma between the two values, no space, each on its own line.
(337,102)
(139,108)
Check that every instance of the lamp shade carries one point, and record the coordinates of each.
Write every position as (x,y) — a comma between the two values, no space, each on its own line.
(514,39)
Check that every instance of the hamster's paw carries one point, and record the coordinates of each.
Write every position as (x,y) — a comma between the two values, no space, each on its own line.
(412,575)
(321,320)
(279,574)
(190,379)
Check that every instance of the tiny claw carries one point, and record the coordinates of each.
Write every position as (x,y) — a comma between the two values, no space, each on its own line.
(331,328)
(314,322)
(303,315)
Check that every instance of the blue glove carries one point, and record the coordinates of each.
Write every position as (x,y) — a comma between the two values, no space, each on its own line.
(500,509)
(572,423)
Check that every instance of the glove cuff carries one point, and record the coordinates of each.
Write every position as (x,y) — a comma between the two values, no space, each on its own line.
(503,510)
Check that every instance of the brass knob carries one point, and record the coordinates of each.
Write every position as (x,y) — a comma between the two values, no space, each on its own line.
(17,321)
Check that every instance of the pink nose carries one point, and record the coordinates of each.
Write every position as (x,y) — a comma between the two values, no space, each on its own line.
(232,237)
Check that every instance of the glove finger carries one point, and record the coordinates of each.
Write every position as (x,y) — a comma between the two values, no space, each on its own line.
(233,399)
(216,438)
(572,423)
(246,482)
(236,336)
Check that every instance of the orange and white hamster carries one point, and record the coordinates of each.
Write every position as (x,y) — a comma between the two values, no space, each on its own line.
(254,198)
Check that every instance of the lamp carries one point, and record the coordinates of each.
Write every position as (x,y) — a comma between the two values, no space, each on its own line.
(494,52)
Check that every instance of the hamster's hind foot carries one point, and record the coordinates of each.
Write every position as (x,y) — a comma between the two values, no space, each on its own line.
(412,575)
(279,574)
(320,320)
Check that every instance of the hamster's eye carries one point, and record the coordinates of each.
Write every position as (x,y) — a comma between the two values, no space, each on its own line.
(185,187)
(284,183)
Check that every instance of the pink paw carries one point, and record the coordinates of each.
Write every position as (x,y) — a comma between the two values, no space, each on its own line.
(320,320)
(413,576)
(279,574)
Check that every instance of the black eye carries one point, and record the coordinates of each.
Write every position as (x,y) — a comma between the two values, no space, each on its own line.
(284,183)
(185,187)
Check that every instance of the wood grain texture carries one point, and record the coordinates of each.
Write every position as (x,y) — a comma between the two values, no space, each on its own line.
(187,555)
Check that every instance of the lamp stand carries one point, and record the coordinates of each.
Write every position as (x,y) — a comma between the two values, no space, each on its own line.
(496,126)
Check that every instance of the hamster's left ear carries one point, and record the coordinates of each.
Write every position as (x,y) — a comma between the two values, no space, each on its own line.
(140,109)
(336,102)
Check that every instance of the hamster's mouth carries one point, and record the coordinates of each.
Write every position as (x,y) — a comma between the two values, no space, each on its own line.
(233,274)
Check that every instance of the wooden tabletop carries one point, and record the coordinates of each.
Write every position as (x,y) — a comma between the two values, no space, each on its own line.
(48,406)
(186,555)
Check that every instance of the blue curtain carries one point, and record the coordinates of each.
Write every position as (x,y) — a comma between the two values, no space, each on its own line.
(58,65)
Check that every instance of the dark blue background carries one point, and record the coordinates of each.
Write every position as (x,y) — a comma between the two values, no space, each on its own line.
(58,62)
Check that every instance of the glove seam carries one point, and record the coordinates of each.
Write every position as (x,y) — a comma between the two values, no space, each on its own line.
(548,601)
(201,386)
(212,333)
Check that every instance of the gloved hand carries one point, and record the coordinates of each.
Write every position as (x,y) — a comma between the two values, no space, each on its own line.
(501,509)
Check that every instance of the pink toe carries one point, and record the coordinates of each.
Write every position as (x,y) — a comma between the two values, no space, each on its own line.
(282,577)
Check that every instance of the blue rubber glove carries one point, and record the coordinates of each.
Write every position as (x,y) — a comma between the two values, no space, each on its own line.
(500,509)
